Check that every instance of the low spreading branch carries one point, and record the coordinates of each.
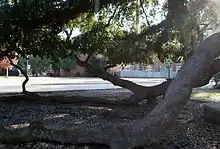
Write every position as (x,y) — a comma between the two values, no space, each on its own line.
(140,92)
(98,70)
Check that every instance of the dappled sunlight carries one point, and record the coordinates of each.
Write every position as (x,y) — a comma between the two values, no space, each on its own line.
(56,116)
(207,95)
(217,4)
(79,122)
(98,108)
(18,126)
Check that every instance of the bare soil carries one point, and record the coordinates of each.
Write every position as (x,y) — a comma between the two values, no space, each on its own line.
(190,131)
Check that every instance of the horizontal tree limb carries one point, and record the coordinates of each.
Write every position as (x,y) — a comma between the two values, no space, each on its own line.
(143,92)
(34,98)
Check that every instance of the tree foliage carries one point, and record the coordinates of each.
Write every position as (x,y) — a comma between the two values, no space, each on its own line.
(174,37)
(66,63)
(32,27)
(38,64)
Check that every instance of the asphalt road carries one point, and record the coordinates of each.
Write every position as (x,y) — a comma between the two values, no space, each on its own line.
(44,84)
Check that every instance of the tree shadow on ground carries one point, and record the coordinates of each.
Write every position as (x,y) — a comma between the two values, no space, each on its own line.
(69,115)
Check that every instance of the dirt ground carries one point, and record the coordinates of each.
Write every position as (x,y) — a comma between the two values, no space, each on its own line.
(191,131)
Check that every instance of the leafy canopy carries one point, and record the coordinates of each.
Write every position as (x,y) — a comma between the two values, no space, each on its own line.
(31,27)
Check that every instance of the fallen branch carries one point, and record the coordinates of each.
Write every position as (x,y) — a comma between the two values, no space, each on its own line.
(33,98)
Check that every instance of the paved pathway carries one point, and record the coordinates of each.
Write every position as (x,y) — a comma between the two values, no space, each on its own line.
(41,84)
(12,81)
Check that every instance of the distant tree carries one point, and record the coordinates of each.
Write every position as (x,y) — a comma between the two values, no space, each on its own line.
(38,64)
(67,63)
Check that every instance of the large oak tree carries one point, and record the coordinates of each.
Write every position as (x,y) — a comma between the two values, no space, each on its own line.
(31,27)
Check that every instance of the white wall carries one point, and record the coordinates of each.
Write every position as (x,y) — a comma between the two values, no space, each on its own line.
(145,74)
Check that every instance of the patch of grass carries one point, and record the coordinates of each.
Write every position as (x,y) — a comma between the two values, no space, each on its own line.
(208,95)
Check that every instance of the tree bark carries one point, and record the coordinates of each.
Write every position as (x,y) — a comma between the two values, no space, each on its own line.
(142,92)
(69,10)
(127,135)
(33,98)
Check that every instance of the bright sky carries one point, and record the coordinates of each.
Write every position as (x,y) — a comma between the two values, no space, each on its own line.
(155,19)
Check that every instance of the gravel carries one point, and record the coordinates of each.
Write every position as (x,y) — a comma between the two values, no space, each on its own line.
(190,131)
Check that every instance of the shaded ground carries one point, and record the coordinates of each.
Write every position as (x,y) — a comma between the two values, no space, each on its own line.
(191,131)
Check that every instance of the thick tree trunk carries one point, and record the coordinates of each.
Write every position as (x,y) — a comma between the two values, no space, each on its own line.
(139,132)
